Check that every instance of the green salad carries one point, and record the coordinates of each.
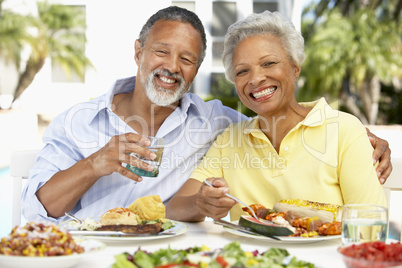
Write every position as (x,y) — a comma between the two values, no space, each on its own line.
(166,224)
(231,256)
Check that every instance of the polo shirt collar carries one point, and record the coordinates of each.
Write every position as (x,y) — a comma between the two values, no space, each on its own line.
(316,117)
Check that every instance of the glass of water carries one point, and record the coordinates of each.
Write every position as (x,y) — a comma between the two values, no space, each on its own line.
(156,146)
(364,223)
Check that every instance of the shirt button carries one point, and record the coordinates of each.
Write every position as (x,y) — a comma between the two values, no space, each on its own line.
(286,148)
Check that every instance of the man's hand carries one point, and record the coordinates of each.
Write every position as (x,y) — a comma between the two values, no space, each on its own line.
(382,153)
(212,201)
(109,159)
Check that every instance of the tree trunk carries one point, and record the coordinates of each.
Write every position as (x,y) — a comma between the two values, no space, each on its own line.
(370,96)
(349,100)
(350,103)
(375,92)
(32,67)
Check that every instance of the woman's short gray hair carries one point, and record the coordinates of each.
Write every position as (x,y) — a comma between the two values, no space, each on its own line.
(266,23)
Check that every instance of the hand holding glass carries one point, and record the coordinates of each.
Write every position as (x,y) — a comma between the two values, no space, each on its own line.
(364,223)
(157,147)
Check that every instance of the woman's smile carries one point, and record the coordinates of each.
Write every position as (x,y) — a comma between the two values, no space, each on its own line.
(263,94)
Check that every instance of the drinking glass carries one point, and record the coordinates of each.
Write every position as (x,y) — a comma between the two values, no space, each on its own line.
(364,223)
(157,147)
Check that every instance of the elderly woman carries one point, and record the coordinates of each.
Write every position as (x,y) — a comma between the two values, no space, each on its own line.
(290,150)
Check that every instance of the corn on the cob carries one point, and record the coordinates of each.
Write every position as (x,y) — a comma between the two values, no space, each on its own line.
(306,208)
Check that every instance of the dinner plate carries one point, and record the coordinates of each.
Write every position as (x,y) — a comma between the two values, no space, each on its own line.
(89,245)
(283,239)
(177,229)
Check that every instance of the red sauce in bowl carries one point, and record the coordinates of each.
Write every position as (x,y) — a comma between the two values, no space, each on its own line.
(372,254)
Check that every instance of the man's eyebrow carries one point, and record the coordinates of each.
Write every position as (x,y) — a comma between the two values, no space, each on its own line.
(186,52)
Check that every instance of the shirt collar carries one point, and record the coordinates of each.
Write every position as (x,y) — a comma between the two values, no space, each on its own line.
(125,85)
(188,104)
(321,111)
(105,101)
(316,117)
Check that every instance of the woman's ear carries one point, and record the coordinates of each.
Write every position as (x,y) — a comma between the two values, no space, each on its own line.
(138,51)
(297,70)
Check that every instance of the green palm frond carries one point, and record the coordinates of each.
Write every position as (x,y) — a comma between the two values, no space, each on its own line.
(351,48)
(13,35)
(65,26)
(58,32)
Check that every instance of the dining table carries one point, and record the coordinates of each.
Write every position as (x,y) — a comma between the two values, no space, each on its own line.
(321,253)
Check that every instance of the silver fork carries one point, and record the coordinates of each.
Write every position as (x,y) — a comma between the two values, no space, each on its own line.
(235,199)
(73,217)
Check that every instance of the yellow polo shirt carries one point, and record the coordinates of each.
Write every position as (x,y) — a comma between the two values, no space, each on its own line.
(325,158)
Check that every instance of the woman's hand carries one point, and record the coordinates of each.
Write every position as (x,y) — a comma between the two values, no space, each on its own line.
(212,201)
(382,153)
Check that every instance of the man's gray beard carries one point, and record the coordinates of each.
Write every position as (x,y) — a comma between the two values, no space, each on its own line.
(161,96)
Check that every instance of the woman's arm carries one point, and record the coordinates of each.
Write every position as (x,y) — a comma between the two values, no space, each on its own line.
(357,175)
(195,201)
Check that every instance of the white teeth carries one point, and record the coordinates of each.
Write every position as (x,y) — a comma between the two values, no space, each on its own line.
(167,80)
(264,92)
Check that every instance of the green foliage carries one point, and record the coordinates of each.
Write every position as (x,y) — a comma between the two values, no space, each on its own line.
(351,47)
(57,32)
(64,28)
(225,91)
(390,106)
(234,103)
(221,87)
(13,29)
(348,48)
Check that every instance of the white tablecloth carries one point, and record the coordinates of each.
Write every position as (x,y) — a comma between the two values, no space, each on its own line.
(322,254)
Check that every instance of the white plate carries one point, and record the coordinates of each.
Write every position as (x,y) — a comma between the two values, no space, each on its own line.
(284,239)
(90,246)
(178,229)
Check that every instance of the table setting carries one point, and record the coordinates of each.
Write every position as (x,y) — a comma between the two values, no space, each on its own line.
(124,237)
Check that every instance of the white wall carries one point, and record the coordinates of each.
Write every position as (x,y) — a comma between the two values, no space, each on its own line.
(112,27)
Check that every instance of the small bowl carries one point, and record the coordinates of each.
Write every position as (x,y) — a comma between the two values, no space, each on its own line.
(369,261)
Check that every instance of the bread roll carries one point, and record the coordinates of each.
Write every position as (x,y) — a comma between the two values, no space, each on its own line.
(119,215)
(148,207)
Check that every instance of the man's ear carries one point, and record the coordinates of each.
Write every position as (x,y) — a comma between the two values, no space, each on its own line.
(138,51)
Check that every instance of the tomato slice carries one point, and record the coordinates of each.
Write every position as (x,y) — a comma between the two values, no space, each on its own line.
(221,261)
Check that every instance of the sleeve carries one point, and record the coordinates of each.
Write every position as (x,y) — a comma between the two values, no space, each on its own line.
(357,175)
(58,153)
(211,164)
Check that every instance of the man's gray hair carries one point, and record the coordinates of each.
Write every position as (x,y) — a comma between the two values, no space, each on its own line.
(266,23)
(174,13)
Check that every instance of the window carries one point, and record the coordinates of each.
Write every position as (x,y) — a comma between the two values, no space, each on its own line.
(223,15)
(261,6)
(189,5)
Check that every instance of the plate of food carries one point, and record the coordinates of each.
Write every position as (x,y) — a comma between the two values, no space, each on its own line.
(283,239)
(231,255)
(306,221)
(44,245)
(144,219)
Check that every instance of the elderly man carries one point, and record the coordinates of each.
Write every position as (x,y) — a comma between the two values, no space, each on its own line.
(81,168)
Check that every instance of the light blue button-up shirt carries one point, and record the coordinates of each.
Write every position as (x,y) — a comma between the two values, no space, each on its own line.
(85,128)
